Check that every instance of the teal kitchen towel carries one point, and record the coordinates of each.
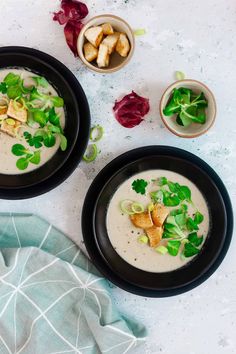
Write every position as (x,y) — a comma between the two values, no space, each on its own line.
(52,299)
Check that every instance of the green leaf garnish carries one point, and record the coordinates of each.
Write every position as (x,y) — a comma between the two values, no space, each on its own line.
(63,144)
(188,106)
(40,81)
(195,239)
(173,247)
(35,141)
(49,140)
(18,150)
(40,117)
(22,163)
(191,224)
(139,186)
(12,79)
(190,250)
(3,87)
(198,218)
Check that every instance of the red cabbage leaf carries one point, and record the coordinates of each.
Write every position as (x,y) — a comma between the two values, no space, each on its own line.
(131,109)
(72,13)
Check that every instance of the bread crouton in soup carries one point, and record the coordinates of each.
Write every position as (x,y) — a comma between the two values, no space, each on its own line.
(17,112)
(142,220)
(10,129)
(159,214)
(154,234)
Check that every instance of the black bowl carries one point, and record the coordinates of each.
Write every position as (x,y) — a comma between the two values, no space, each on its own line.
(69,88)
(118,270)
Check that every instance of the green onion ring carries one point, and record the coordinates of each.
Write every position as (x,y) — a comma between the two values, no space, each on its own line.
(91,153)
(137,208)
(139,32)
(124,209)
(98,131)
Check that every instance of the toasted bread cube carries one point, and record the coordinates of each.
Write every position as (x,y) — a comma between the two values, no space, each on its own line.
(90,52)
(103,56)
(3,110)
(94,35)
(10,129)
(107,29)
(123,46)
(19,113)
(142,220)
(159,214)
(111,41)
(154,234)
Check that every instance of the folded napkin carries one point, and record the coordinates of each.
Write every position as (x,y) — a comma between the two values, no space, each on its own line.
(52,299)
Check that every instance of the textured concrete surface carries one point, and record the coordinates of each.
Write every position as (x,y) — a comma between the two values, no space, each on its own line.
(198,38)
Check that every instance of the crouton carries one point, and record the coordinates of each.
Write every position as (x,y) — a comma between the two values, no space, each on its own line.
(9,126)
(19,113)
(154,234)
(3,110)
(90,52)
(107,29)
(142,220)
(159,214)
(94,35)
(103,56)
(123,46)
(111,41)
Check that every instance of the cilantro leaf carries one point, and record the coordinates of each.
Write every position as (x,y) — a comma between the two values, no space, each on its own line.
(139,186)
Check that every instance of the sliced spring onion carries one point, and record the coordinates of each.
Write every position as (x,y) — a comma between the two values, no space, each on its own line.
(126,206)
(150,207)
(179,75)
(96,133)
(3,116)
(139,32)
(10,121)
(4,99)
(17,105)
(185,240)
(143,239)
(161,249)
(137,208)
(91,153)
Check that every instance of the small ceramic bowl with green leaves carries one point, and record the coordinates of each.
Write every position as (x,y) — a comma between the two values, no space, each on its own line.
(188,108)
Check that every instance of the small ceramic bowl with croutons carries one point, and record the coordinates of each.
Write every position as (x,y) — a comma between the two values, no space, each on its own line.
(106,43)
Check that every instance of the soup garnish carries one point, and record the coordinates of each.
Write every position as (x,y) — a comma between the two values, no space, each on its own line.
(28,104)
(167,229)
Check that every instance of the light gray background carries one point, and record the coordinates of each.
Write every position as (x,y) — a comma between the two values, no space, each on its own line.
(198,38)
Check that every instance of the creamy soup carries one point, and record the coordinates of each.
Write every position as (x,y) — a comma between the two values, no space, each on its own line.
(124,235)
(7,159)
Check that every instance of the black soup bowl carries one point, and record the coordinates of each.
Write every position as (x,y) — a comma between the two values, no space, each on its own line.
(135,280)
(67,86)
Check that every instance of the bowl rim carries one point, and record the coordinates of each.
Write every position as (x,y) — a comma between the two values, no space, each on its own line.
(108,70)
(183,135)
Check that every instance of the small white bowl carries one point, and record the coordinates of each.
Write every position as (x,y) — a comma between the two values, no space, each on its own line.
(194,129)
(116,61)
